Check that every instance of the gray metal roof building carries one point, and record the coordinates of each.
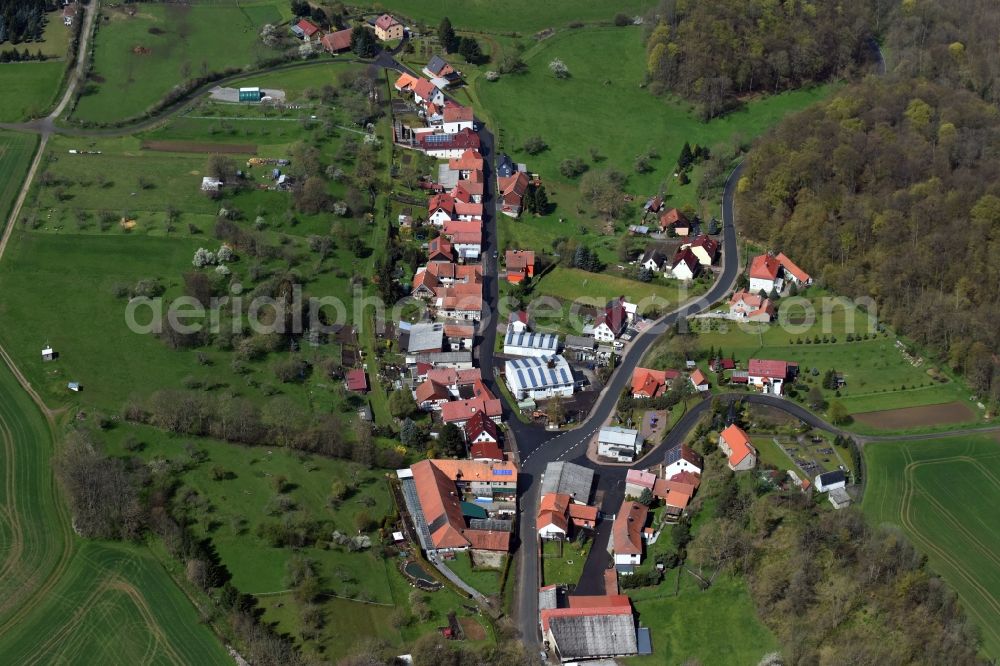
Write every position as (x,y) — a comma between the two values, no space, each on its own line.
(539,377)
(425,337)
(588,636)
(568,479)
(527,343)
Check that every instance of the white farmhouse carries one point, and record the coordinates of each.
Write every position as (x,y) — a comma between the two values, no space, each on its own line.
(622,444)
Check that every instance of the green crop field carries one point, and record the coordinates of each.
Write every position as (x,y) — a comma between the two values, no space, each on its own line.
(604,105)
(520,16)
(61,597)
(139,58)
(16,153)
(679,624)
(944,494)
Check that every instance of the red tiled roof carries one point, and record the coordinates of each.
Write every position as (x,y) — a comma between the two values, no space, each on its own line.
(451,377)
(764,267)
(461,140)
(431,391)
(688,257)
(357,380)
(440,504)
(641,478)
(677,499)
(470,160)
(424,89)
(516,184)
(488,540)
(443,201)
(673,217)
(463,410)
(519,259)
(790,266)
(405,82)
(486,450)
(738,442)
(553,509)
(698,377)
(626,532)
(468,209)
(307,27)
(427,279)
(650,383)
(687,477)
(614,315)
(454,113)
(478,424)
(474,470)
(759,367)
(385,21)
(440,246)
(710,245)
(337,41)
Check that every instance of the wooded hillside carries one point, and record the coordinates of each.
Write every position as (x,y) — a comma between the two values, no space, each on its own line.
(714,51)
(890,190)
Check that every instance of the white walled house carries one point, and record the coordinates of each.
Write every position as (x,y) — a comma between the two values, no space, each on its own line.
(681,458)
(622,444)
(830,480)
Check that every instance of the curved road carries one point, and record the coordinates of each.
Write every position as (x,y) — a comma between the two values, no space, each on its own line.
(536,446)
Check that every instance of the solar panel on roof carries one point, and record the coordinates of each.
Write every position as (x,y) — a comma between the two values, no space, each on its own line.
(503,472)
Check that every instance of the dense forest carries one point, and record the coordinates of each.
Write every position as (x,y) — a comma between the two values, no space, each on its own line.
(953,42)
(833,589)
(714,51)
(890,190)
(22,20)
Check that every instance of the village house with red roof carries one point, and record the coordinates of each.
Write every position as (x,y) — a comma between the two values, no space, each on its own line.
(736,444)
(749,306)
(770,376)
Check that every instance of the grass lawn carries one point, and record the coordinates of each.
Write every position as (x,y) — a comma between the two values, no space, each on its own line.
(588,110)
(680,625)
(486,581)
(944,493)
(596,289)
(29,88)
(520,16)
(567,568)
(55,38)
(139,58)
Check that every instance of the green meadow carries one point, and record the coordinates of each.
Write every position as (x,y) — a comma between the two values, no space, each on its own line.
(944,493)
(603,104)
(142,51)
(681,623)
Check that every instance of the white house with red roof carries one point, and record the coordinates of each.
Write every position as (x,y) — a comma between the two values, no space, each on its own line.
(699,380)
(460,411)
(792,272)
(769,376)
(481,428)
(611,323)
(440,209)
(676,220)
(704,248)
(736,444)
(764,274)
(685,265)
(681,458)
(749,306)
(457,118)
(648,383)
(512,189)
(447,146)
